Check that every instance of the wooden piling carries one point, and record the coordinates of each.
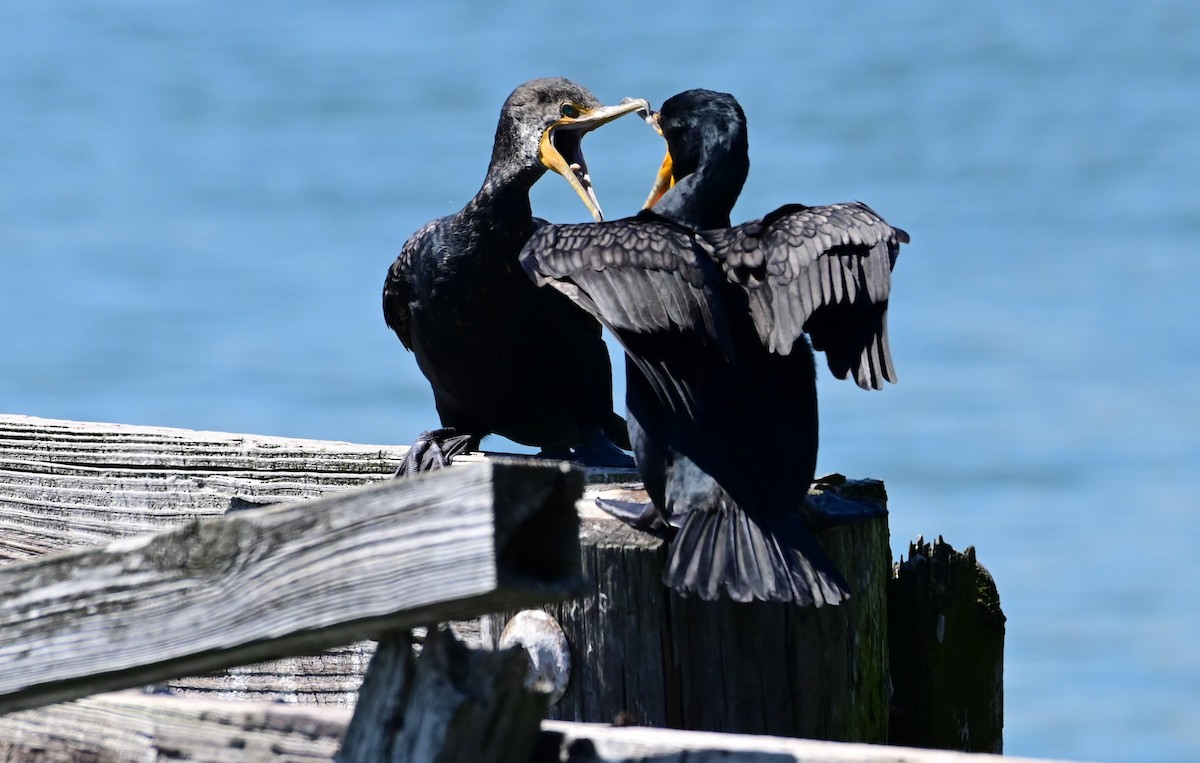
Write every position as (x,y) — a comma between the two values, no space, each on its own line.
(947,651)
(647,656)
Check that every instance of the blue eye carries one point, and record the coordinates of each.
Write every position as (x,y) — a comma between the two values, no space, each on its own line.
(570,111)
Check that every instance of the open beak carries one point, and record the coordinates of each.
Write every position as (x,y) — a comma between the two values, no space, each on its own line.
(560,149)
(664,180)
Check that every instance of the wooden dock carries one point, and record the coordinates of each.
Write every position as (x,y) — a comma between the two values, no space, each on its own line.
(221,568)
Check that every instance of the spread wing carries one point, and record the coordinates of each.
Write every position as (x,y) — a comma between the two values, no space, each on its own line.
(648,281)
(397,287)
(824,271)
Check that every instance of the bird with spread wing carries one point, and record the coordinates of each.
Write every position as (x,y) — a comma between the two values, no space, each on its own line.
(718,323)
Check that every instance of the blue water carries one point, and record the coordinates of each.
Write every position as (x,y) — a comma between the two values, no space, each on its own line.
(198,201)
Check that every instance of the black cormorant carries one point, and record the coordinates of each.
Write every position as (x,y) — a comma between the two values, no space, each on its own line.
(722,402)
(502,355)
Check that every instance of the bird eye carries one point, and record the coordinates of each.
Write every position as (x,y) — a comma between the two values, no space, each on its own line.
(570,111)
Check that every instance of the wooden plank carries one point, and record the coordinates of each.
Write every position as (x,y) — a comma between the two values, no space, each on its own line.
(70,484)
(331,677)
(138,728)
(947,644)
(66,485)
(578,742)
(287,580)
(644,655)
(130,726)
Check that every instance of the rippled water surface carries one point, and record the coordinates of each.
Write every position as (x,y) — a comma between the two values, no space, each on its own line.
(198,202)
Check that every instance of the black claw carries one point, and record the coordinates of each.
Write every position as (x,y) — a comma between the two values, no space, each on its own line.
(434,449)
(640,515)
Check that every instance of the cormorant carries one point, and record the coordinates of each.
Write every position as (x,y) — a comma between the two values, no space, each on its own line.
(722,402)
(502,355)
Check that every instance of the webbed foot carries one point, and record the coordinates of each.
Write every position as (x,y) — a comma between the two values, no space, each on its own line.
(631,504)
(828,509)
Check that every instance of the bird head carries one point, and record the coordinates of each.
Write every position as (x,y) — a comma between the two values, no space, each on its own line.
(543,123)
(701,127)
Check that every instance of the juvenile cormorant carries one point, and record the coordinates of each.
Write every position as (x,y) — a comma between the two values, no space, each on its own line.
(722,403)
(502,355)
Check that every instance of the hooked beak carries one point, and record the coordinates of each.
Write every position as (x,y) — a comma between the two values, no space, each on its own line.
(664,180)
(560,149)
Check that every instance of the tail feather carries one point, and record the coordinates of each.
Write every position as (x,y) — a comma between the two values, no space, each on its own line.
(772,558)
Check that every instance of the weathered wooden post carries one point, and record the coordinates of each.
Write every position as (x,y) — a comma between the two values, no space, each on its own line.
(453,704)
(947,650)
(646,656)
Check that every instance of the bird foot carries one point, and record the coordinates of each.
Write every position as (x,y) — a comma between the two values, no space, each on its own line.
(598,450)
(827,510)
(640,515)
(434,449)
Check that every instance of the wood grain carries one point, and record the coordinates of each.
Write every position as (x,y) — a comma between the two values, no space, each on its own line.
(286,580)
(66,485)
(130,726)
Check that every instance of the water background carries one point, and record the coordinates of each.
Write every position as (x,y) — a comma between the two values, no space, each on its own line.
(199,200)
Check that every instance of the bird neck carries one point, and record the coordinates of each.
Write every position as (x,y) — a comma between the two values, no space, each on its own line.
(514,166)
(704,198)
(506,193)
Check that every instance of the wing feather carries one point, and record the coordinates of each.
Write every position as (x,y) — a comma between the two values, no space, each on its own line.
(634,275)
(824,271)
(639,277)
(397,287)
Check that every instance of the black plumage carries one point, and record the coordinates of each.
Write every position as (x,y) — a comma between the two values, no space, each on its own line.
(722,403)
(501,355)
